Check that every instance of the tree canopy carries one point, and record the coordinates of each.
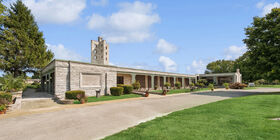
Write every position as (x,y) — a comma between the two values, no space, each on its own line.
(22,46)
(263,43)
(220,66)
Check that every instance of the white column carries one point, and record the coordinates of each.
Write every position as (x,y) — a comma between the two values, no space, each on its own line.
(152,81)
(195,79)
(215,80)
(164,79)
(183,82)
(133,76)
(190,80)
(174,81)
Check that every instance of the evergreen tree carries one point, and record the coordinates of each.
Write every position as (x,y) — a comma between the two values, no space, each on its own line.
(22,46)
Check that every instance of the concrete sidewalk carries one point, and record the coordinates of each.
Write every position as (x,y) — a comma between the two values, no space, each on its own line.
(95,122)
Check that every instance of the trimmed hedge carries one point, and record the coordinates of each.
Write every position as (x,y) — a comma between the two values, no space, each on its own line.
(127,89)
(120,85)
(116,91)
(73,94)
(7,97)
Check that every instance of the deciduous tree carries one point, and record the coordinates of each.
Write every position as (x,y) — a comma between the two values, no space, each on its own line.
(263,42)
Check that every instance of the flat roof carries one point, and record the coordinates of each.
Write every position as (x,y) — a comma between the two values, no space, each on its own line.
(112,66)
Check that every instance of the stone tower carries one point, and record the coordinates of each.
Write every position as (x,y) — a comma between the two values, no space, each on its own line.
(99,52)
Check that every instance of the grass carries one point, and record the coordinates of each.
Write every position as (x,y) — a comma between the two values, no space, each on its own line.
(262,86)
(107,98)
(248,88)
(269,86)
(246,118)
(176,91)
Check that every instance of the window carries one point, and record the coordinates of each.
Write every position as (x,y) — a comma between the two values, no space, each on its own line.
(120,80)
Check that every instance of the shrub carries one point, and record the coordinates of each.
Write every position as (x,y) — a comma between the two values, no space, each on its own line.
(5,98)
(211,86)
(260,82)
(82,98)
(120,85)
(116,91)
(136,85)
(226,85)
(204,81)
(127,89)
(10,83)
(178,85)
(237,86)
(72,94)
(2,107)
(167,84)
(200,85)
(275,82)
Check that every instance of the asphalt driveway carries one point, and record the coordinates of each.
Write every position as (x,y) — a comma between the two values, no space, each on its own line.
(95,122)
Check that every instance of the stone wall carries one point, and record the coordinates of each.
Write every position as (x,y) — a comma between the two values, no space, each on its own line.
(68,77)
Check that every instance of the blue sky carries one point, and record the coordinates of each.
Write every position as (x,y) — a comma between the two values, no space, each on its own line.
(178,36)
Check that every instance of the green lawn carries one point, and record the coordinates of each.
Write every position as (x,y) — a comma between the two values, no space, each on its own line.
(270,86)
(246,118)
(175,91)
(106,98)
(263,86)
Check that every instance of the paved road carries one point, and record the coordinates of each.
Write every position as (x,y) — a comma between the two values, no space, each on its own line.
(95,122)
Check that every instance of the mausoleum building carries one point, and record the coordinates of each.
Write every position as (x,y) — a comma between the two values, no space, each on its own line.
(60,76)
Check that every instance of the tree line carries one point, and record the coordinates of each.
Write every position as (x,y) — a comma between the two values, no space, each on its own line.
(262,59)
(22,46)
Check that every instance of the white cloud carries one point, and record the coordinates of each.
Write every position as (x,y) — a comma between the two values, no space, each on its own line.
(266,8)
(56,11)
(130,24)
(99,2)
(260,4)
(165,47)
(233,52)
(167,63)
(198,66)
(60,52)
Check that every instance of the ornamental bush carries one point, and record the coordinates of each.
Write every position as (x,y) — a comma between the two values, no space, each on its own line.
(167,84)
(237,86)
(136,85)
(72,94)
(10,84)
(2,107)
(204,81)
(178,85)
(275,82)
(261,82)
(116,91)
(226,85)
(211,86)
(127,89)
(5,98)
